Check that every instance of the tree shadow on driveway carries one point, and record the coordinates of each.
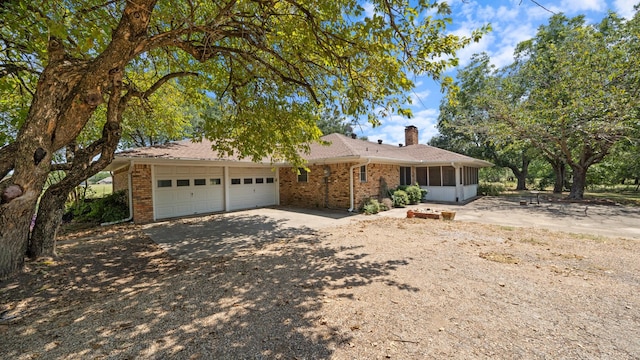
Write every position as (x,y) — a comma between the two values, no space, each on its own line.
(219,236)
(251,288)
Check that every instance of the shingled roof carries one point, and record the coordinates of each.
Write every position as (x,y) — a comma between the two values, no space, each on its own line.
(183,150)
(340,149)
(344,147)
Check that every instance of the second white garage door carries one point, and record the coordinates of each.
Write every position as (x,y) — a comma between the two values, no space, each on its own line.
(252,188)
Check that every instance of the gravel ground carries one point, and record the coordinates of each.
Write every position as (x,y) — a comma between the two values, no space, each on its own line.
(386,288)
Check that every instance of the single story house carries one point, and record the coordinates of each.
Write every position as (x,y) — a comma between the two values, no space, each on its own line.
(107,180)
(185,178)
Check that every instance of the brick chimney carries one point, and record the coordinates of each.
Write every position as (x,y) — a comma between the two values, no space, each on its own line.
(410,135)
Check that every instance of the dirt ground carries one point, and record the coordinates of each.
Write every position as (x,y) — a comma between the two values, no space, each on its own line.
(386,288)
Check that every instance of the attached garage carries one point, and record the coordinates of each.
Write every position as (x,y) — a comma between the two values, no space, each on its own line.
(252,188)
(188,178)
(187,190)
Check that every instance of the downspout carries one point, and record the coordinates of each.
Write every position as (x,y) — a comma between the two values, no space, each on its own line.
(130,199)
(351,191)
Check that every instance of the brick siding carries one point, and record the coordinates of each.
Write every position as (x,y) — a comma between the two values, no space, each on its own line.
(334,191)
(380,178)
(142,194)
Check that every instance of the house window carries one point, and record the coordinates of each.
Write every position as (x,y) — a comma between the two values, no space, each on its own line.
(434,176)
(448,176)
(199,182)
(259,180)
(248,180)
(302,176)
(215,181)
(470,175)
(269,180)
(405,175)
(421,176)
(235,182)
(183,182)
(363,173)
(164,183)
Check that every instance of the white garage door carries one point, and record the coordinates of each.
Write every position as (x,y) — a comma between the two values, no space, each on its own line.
(188,190)
(251,188)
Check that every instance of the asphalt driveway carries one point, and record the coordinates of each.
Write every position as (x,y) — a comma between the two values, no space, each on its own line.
(239,233)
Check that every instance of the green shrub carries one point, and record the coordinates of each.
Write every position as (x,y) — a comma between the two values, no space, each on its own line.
(490,189)
(414,193)
(370,206)
(109,208)
(386,204)
(400,198)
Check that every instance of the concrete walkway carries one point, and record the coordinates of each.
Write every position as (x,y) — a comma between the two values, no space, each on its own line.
(232,234)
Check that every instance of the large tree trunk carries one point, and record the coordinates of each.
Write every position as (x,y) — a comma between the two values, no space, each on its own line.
(43,235)
(31,165)
(559,170)
(81,167)
(521,174)
(34,147)
(521,177)
(15,219)
(67,93)
(579,183)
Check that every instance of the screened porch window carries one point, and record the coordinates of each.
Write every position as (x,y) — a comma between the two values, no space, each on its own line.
(405,175)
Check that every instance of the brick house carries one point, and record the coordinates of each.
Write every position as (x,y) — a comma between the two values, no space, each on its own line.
(185,178)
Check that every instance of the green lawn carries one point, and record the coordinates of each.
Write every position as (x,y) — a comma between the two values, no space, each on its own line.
(625,196)
(99,190)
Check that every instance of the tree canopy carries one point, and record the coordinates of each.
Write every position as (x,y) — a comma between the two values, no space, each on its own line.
(571,94)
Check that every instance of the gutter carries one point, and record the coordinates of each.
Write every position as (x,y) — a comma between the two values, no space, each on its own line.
(130,199)
(351,192)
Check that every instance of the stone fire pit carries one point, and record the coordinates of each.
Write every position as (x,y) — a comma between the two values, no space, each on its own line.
(431,214)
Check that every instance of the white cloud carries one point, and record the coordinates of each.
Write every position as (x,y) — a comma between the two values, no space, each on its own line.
(624,8)
(369,10)
(418,97)
(392,129)
(577,6)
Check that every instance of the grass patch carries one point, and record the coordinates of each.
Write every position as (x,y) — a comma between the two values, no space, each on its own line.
(624,197)
(99,190)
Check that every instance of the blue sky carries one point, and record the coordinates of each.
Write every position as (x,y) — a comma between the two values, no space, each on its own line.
(512,21)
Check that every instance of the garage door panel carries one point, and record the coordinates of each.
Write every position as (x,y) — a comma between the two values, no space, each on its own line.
(251,193)
(165,197)
(199,194)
